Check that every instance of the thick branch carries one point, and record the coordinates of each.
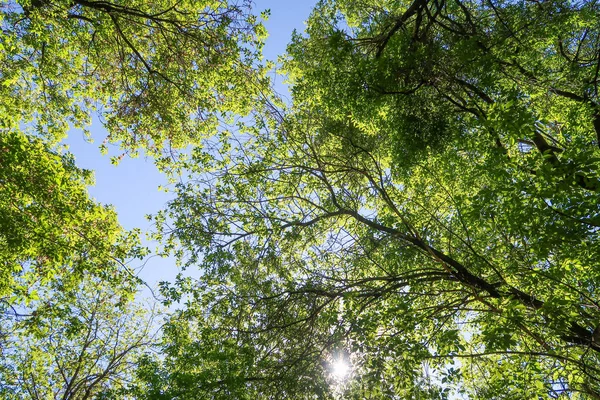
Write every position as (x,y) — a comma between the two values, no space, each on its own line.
(412,10)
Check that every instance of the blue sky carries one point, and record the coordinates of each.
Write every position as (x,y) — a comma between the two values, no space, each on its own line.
(132,186)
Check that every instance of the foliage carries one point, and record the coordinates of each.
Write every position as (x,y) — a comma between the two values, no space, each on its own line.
(50,230)
(78,344)
(161,74)
(427,209)
(68,327)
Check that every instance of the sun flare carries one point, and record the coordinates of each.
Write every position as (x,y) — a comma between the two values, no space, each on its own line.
(340,369)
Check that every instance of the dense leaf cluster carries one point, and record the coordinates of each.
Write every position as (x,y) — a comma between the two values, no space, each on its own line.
(158,74)
(426,208)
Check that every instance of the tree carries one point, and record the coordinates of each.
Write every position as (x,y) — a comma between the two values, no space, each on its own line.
(78,344)
(50,230)
(427,209)
(62,257)
(161,74)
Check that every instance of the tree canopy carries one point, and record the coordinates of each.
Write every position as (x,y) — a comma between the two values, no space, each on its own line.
(160,74)
(51,231)
(74,344)
(425,209)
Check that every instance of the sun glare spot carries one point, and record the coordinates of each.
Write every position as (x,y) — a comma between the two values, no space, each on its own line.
(340,369)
